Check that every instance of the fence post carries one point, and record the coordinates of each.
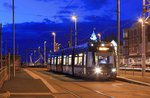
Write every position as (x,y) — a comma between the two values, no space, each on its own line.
(8,66)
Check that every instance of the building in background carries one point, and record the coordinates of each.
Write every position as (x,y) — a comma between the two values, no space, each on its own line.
(132,45)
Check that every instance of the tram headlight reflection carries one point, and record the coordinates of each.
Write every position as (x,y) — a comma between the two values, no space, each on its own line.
(113,70)
(98,70)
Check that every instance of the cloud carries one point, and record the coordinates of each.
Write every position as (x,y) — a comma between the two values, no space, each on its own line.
(7,5)
(62,18)
(94,4)
(65,12)
(33,34)
(46,20)
(93,18)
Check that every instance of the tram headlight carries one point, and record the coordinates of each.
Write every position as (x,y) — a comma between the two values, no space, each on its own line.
(92,45)
(113,70)
(98,70)
(102,44)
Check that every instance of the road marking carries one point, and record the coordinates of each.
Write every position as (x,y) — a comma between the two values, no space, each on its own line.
(117,84)
(35,76)
(103,94)
(26,94)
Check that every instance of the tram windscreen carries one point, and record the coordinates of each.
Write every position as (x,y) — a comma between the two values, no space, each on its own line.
(103,59)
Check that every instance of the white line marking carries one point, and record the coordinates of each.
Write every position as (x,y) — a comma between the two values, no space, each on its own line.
(103,94)
(30,94)
(117,84)
(35,76)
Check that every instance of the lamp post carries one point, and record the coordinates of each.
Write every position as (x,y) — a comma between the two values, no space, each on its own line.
(74,18)
(0,46)
(44,52)
(118,25)
(54,34)
(142,21)
(13,37)
(99,37)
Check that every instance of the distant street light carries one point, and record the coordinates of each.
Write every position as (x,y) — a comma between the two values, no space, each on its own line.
(74,18)
(142,21)
(44,52)
(39,47)
(99,37)
(54,34)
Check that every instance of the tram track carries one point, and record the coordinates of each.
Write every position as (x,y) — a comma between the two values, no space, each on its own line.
(67,90)
(95,91)
(72,92)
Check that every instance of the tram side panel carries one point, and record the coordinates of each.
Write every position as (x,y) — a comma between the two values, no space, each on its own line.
(89,68)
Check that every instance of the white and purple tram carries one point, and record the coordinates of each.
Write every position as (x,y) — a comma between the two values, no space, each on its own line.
(91,60)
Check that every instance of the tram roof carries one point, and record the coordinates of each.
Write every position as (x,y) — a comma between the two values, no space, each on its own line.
(79,48)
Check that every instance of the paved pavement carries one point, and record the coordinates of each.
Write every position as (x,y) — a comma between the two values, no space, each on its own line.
(25,86)
(135,77)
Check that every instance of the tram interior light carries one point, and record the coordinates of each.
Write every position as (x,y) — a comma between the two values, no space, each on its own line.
(114,70)
(97,70)
(103,48)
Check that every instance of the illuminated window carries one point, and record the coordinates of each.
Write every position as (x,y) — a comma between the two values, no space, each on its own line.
(67,60)
(64,60)
(52,61)
(80,55)
(59,60)
(84,59)
(78,59)
(55,60)
(70,60)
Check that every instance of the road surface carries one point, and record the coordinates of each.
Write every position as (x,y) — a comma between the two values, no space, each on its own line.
(62,86)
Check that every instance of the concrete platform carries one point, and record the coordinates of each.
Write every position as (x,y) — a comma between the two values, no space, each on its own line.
(24,86)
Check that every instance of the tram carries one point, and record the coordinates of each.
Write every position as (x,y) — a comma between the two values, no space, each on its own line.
(96,60)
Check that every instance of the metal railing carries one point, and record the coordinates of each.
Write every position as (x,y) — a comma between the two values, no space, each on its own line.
(3,75)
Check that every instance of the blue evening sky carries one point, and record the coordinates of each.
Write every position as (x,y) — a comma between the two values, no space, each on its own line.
(36,19)
(57,10)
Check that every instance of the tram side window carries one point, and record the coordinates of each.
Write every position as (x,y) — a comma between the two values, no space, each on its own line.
(55,60)
(70,60)
(67,60)
(64,60)
(78,59)
(84,59)
(59,60)
(48,61)
(52,62)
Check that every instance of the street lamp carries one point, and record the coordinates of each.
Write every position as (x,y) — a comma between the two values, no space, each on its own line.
(44,52)
(118,29)
(13,37)
(99,37)
(142,21)
(74,18)
(54,34)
